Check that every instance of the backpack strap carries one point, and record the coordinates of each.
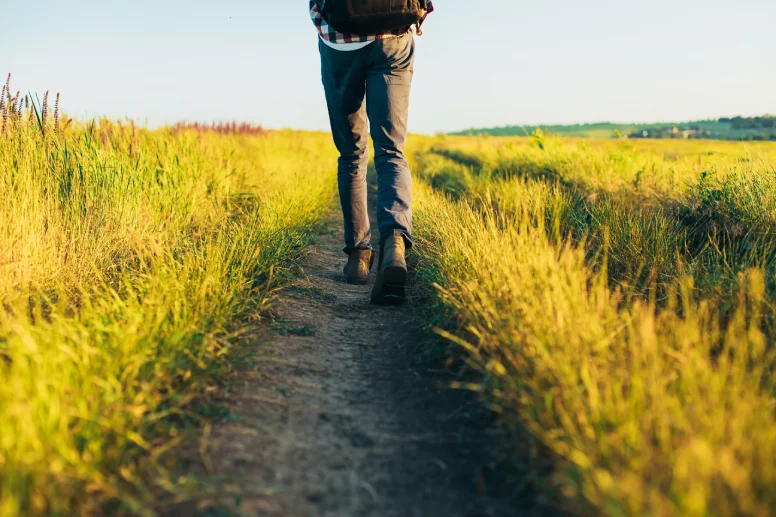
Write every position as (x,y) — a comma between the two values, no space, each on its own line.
(424,4)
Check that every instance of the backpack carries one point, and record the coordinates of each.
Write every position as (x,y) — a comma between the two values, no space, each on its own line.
(365,17)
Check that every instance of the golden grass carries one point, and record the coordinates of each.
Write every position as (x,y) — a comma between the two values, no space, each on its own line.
(619,300)
(128,257)
(617,296)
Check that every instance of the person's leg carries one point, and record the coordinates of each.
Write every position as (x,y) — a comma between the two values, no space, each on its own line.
(389,77)
(344,82)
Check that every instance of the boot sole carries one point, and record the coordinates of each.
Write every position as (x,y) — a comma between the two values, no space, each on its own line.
(395,275)
(391,295)
(357,281)
(393,290)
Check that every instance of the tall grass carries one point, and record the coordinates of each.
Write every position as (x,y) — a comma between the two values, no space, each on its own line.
(659,213)
(653,394)
(129,257)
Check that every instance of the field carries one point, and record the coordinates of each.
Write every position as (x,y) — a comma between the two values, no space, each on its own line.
(615,299)
(131,259)
(618,298)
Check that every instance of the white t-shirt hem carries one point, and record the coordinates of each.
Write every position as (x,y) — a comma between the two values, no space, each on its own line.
(345,46)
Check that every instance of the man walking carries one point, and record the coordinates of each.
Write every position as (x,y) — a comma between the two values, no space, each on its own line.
(367,55)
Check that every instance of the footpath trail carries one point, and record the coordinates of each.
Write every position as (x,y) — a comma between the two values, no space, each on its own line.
(339,417)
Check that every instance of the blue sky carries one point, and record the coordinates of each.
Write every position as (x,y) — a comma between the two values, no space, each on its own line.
(547,61)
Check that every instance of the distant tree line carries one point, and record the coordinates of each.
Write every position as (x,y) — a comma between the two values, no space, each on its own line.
(766,121)
(693,133)
(725,128)
(759,136)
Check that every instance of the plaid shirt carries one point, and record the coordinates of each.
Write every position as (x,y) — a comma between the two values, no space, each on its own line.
(332,36)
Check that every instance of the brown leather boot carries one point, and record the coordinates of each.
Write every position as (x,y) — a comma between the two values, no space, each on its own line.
(391,272)
(358,267)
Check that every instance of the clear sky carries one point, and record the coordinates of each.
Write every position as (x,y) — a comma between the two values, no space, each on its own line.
(514,62)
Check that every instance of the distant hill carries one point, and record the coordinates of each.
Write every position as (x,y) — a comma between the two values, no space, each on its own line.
(726,128)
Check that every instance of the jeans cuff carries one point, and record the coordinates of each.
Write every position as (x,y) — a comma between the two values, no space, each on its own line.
(349,249)
(408,244)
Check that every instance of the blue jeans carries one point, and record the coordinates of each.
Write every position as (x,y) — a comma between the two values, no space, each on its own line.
(372,83)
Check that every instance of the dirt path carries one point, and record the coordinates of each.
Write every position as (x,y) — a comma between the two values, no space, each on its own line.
(340,418)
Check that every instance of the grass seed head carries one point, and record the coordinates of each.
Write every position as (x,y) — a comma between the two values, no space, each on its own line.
(56,114)
(45,106)
(222,128)
(2,102)
(44,116)
(6,103)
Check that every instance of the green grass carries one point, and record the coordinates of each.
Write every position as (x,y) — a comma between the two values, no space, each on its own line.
(129,260)
(659,212)
(618,299)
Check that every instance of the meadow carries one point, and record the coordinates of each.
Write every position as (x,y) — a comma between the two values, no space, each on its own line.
(131,261)
(618,299)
